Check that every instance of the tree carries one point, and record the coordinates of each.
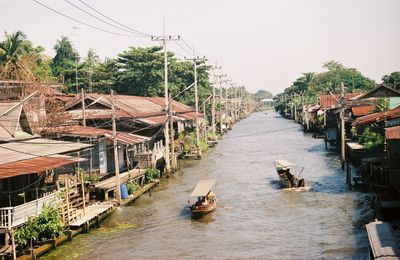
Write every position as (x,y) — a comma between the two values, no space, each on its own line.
(140,72)
(105,76)
(89,65)
(65,61)
(262,94)
(12,51)
(392,79)
(19,60)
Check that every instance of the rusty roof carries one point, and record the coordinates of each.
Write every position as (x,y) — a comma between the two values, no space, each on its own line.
(126,138)
(126,106)
(28,149)
(176,106)
(33,165)
(392,132)
(331,100)
(362,110)
(378,117)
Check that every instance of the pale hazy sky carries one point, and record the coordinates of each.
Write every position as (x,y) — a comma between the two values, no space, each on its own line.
(262,44)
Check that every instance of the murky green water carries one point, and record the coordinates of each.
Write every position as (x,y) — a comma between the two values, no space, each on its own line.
(255,217)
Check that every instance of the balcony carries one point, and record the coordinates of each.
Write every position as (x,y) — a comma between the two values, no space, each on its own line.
(11,217)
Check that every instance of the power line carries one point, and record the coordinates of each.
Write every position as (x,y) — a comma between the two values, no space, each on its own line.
(97,18)
(86,24)
(190,48)
(129,28)
(189,52)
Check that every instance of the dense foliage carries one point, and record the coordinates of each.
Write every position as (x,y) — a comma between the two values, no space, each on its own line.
(151,175)
(47,225)
(370,138)
(20,60)
(306,88)
(393,79)
(132,186)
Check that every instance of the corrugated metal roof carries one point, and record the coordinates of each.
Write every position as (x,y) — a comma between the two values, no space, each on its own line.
(122,137)
(378,117)
(176,106)
(382,90)
(28,149)
(33,165)
(362,110)
(392,132)
(331,100)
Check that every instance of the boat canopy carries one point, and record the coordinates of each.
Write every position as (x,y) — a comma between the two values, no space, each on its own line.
(283,165)
(202,188)
(382,240)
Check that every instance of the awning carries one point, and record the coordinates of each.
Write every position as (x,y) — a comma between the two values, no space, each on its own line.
(34,165)
(382,240)
(283,165)
(202,188)
(392,132)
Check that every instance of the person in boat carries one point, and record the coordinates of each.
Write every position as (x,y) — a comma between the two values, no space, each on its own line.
(211,196)
(289,176)
(199,201)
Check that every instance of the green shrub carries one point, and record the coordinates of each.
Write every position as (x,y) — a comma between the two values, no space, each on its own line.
(47,225)
(370,138)
(91,178)
(132,186)
(381,105)
(151,175)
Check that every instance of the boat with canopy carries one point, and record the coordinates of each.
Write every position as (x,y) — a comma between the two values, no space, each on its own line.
(283,167)
(206,199)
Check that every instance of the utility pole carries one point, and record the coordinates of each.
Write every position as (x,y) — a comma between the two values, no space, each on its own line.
(213,127)
(171,126)
(90,75)
(76,75)
(83,107)
(115,145)
(220,100)
(196,96)
(164,39)
(342,129)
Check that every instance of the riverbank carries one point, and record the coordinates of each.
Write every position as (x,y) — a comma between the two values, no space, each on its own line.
(92,221)
(97,213)
(255,218)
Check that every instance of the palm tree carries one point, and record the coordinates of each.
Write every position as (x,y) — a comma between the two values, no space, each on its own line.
(12,50)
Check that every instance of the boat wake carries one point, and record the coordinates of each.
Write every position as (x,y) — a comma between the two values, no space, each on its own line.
(299,189)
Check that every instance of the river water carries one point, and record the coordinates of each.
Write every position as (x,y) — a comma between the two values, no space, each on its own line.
(255,217)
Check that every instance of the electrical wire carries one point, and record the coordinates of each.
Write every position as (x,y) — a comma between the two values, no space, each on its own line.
(129,28)
(83,23)
(97,18)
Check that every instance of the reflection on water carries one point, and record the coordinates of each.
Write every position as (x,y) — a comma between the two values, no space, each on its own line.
(255,217)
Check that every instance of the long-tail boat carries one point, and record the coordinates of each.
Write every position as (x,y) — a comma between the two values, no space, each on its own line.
(206,199)
(290,180)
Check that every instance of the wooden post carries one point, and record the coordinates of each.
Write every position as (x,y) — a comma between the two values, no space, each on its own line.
(205,122)
(115,144)
(343,131)
(127,157)
(171,129)
(213,108)
(83,193)
(83,107)
(67,199)
(220,107)
(13,244)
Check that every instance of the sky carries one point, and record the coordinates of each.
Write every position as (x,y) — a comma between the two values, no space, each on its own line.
(260,44)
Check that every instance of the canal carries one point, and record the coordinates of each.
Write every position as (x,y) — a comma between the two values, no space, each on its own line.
(255,217)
